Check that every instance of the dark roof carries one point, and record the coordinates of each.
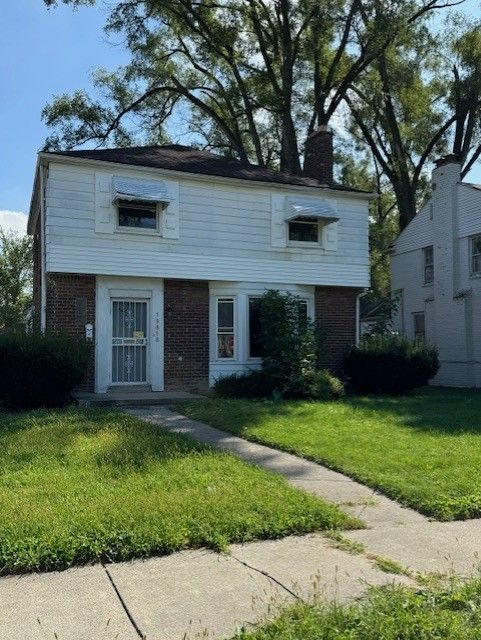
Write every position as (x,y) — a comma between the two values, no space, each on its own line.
(179,158)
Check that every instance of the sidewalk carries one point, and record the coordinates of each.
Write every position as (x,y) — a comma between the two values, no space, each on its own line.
(200,593)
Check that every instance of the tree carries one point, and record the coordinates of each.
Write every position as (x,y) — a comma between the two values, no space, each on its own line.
(251,77)
(360,170)
(15,279)
(418,100)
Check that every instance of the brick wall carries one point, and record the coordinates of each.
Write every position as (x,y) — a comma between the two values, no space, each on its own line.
(186,334)
(335,312)
(319,155)
(70,306)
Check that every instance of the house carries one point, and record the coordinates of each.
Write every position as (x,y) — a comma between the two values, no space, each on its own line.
(158,254)
(436,272)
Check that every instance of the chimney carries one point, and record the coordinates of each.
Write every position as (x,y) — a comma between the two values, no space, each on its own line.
(319,156)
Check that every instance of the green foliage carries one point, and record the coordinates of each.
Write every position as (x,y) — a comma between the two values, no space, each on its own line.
(450,612)
(396,445)
(390,364)
(15,279)
(40,370)
(288,340)
(90,485)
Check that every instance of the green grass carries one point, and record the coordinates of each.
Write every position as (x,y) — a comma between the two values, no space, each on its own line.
(79,486)
(423,450)
(393,613)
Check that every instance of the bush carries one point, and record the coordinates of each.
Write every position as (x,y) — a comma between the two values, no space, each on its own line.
(40,370)
(316,384)
(252,384)
(390,364)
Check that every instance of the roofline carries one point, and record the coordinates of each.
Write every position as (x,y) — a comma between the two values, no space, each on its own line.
(44,157)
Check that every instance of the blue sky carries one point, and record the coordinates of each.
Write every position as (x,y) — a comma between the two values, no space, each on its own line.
(43,53)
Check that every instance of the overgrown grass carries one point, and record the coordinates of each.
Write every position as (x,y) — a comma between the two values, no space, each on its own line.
(423,450)
(393,613)
(79,486)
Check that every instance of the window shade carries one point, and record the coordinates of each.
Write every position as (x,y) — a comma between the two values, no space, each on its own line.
(298,208)
(144,190)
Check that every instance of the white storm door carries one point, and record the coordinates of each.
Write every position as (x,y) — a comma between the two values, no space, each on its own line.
(130,341)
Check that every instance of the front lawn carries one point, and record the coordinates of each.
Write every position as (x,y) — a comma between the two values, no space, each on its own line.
(423,450)
(391,613)
(79,486)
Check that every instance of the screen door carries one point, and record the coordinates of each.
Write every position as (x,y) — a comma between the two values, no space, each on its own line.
(129,341)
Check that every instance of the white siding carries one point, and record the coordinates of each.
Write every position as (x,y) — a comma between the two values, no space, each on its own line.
(469,199)
(224,234)
(418,233)
(452,305)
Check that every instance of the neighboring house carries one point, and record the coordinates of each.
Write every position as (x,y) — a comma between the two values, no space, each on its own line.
(436,268)
(158,254)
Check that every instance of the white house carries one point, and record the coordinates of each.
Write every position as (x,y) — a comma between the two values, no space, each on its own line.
(158,254)
(436,270)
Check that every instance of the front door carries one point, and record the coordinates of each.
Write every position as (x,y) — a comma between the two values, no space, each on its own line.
(130,343)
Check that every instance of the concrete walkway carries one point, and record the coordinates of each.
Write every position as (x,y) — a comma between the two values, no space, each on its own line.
(202,594)
(393,531)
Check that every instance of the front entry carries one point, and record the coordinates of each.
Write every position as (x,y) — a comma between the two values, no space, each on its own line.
(130,341)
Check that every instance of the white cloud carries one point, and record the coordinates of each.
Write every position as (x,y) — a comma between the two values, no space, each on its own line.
(13,221)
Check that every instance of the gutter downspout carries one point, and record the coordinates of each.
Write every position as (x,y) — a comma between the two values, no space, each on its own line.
(43,281)
(358,314)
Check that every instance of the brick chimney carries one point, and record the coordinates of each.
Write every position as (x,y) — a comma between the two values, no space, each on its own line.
(319,156)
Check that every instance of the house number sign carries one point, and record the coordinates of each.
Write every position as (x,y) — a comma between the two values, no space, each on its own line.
(157,326)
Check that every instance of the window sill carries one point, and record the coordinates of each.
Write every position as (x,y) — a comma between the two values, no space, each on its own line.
(475,276)
(139,232)
(304,245)
(428,284)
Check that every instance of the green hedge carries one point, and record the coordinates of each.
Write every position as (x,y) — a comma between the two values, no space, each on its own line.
(391,364)
(40,370)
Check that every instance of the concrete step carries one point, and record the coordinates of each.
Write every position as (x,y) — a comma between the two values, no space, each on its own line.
(128,398)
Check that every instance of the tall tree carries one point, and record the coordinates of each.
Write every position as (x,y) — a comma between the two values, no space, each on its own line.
(251,77)
(15,279)
(361,170)
(417,101)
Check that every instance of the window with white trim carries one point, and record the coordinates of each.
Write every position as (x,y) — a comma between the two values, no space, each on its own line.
(225,328)
(428,264)
(419,326)
(475,254)
(137,215)
(304,230)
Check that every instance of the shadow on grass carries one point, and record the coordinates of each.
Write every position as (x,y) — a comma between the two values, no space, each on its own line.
(98,436)
(449,411)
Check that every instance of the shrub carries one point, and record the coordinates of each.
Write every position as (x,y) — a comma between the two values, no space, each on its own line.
(390,364)
(40,370)
(288,338)
(252,384)
(317,384)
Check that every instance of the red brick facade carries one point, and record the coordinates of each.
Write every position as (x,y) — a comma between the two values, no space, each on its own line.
(335,313)
(319,155)
(70,306)
(186,334)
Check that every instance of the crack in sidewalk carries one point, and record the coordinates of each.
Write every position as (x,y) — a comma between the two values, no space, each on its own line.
(266,574)
(136,627)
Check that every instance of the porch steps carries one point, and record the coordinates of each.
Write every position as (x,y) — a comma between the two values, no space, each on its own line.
(131,398)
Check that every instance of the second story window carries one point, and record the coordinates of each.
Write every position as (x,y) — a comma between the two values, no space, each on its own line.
(428,264)
(475,251)
(304,230)
(137,215)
